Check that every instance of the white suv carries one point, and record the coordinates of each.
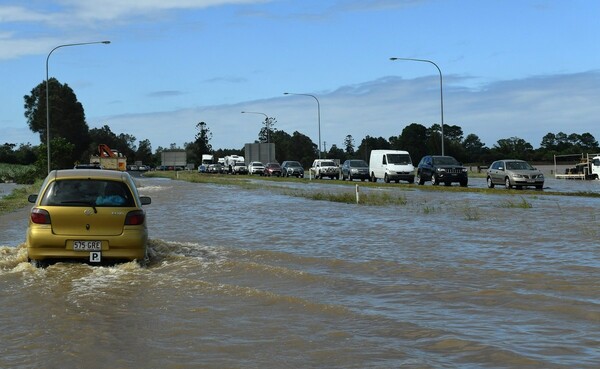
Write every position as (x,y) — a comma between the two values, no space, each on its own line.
(325,168)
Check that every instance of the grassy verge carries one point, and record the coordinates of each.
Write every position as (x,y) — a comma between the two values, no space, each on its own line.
(251,181)
(18,197)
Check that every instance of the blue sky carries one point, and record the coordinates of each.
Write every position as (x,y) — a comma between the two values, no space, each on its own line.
(518,68)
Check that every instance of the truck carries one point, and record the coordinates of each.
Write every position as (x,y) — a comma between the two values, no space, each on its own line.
(230,160)
(263,152)
(108,158)
(588,167)
(207,159)
(173,159)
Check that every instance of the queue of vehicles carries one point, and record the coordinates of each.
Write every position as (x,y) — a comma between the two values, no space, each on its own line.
(396,166)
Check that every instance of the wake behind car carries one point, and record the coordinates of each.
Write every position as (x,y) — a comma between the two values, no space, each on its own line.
(441,169)
(87,215)
(514,173)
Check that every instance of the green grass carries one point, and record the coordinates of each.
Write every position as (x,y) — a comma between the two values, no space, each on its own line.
(18,197)
(523,204)
(25,174)
(375,198)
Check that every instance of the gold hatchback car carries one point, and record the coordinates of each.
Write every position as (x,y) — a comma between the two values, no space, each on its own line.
(91,215)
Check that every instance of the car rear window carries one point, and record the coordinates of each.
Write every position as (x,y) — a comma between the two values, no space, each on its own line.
(80,192)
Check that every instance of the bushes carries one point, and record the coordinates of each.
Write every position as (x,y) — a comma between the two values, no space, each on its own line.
(23,174)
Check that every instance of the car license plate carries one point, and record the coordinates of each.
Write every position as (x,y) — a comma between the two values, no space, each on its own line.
(87,245)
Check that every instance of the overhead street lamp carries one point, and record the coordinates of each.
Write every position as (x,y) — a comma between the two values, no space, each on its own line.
(48,94)
(268,122)
(441,93)
(318,114)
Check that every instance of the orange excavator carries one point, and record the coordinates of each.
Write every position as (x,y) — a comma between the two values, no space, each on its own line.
(109,158)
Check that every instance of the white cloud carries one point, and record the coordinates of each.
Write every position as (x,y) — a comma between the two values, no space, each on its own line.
(117,9)
(10,14)
(526,108)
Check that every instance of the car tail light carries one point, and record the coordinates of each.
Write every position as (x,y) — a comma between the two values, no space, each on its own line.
(40,216)
(135,217)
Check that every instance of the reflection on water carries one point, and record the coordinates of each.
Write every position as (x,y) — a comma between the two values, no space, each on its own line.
(257,279)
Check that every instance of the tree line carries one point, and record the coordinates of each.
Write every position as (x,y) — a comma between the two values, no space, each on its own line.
(71,140)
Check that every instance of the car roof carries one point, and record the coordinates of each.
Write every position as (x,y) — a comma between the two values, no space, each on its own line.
(89,174)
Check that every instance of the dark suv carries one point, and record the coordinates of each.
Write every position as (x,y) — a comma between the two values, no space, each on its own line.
(438,169)
(292,168)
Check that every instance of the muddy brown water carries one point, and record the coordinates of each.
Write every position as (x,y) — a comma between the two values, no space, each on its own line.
(253,278)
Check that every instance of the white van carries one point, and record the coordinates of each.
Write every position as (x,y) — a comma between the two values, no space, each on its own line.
(391,165)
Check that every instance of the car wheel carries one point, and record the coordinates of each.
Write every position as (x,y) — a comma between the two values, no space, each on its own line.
(464,183)
(373,178)
(37,263)
(386,179)
(490,184)
(507,183)
(434,180)
(350,177)
(419,179)
(539,187)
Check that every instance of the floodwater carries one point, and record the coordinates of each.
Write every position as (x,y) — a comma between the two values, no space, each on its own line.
(255,278)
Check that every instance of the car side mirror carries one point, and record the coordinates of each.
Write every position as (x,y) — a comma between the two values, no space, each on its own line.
(146,200)
(32,198)
(500,168)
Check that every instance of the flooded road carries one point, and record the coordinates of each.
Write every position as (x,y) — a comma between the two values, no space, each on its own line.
(254,278)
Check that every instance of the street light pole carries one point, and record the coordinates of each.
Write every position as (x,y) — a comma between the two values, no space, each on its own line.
(318,115)
(441,93)
(48,93)
(267,124)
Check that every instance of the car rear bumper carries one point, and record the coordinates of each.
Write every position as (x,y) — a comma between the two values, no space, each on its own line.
(43,244)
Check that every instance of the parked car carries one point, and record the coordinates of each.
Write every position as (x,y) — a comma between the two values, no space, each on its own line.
(391,165)
(215,168)
(239,167)
(325,168)
(273,169)
(292,168)
(355,169)
(256,167)
(441,169)
(514,173)
(88,215)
